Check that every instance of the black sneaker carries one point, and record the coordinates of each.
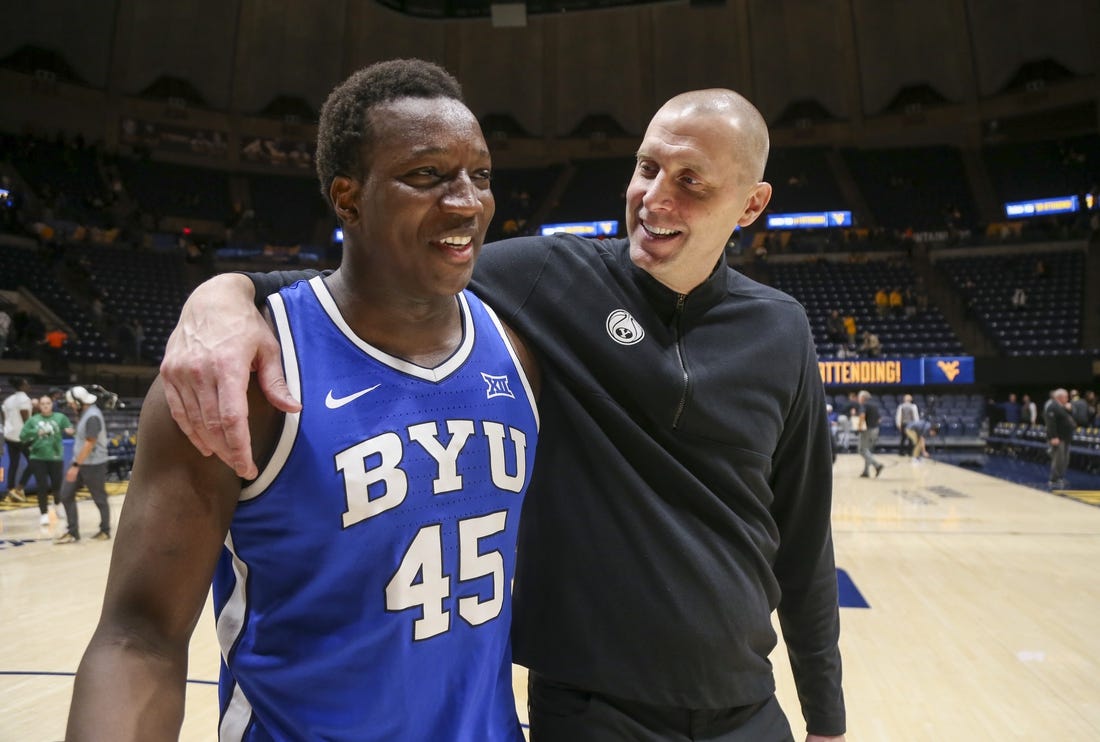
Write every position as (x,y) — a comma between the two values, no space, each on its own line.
(864,475)
(878,470)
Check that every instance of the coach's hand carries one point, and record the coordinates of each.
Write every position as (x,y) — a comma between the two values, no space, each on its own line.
(220,339)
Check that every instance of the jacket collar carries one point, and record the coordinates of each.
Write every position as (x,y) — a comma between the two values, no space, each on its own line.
(665,300)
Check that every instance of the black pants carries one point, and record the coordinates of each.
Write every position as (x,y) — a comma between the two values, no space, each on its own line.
(92,476)
(16,450)
(46,471)
(564,713)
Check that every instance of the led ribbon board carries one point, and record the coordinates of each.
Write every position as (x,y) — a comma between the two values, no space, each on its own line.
(811,220)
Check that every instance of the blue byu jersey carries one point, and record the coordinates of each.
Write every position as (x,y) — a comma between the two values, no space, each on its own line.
(364,592)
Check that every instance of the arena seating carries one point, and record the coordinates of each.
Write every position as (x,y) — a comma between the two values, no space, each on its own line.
(822,286)
(1020,440)
(1050,324)
(915,188)
(165,189)
(287,209)
(596,191)
(27,267)
(146,285)
(802,181)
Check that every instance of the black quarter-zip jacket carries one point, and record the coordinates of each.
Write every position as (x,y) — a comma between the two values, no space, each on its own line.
(682,483)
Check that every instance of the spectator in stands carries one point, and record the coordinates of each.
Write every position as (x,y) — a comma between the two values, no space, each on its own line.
(138,332)
(906,413)
(42,435)
(909,302)
(918,432)
(850,328)
(871,345)
(5,329)
(124,337)
(17,410)
(1060,427)
(897,302)
(1040,269)
(1019,298)
(1029,413)
(834,328)
(969,292)
(1079,408)
(1012,409)
(869,418)
(54,361)
(1090,404)
(882,302)
(920,297)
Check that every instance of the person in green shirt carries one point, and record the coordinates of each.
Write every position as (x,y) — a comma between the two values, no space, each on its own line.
(42,435)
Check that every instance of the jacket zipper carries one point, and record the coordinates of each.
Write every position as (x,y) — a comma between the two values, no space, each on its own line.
(680,300)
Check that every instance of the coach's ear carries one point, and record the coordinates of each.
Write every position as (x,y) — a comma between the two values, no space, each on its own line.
(344,193)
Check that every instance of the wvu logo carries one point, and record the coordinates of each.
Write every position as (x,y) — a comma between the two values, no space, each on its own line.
(950,369)
(498,386)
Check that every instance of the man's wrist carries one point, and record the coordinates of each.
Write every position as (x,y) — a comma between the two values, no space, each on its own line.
(75,464)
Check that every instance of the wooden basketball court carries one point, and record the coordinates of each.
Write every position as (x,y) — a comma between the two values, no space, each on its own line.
(983,617)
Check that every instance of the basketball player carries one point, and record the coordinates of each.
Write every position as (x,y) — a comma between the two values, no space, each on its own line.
(361,581)
(682,490)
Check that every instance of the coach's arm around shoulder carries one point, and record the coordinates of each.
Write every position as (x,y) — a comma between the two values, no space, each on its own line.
(220,339)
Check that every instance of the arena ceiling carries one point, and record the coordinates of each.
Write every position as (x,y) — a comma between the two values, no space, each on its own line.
(800,61)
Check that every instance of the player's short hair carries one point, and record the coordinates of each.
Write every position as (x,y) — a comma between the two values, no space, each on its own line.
(344,132)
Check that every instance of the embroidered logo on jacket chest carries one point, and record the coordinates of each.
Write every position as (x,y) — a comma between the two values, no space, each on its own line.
(623,328)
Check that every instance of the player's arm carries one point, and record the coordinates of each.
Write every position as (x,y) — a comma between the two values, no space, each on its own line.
(527,360)
(170,535)
(219,340)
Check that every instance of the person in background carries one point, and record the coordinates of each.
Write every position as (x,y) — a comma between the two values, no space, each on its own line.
(1079,408)
(1029,413)
(88,467)
(906,413)
(871,347)
(918,432)
(42,435)
(17,408)
(1060,428)
(718,454)
(869,418)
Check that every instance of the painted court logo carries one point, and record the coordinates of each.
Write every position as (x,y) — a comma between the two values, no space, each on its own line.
(623,328)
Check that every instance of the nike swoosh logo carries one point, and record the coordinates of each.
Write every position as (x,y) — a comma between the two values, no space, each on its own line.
(335,403)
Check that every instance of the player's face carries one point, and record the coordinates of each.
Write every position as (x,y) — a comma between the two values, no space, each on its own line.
(688,191)
(424,203)
(45,406)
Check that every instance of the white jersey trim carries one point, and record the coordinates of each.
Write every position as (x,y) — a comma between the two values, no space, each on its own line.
(439,373)
(291,420)
(238,713)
